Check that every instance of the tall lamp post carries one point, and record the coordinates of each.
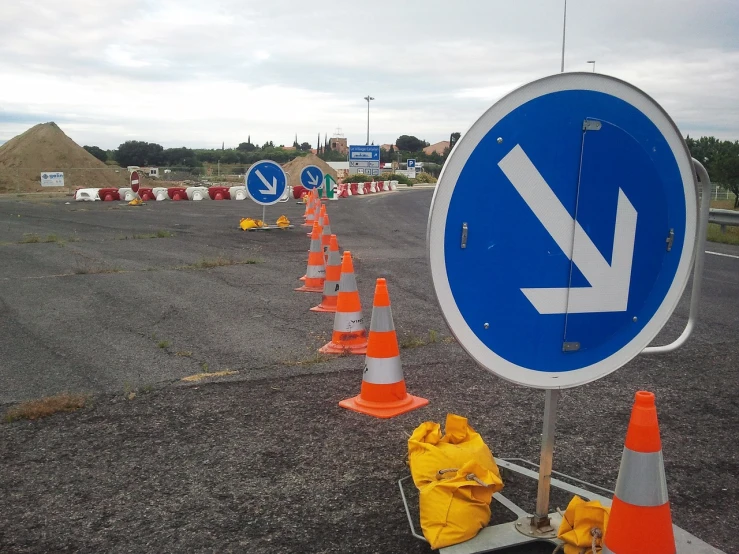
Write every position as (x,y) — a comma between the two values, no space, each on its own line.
(368,98)
(564,30)
(593,62)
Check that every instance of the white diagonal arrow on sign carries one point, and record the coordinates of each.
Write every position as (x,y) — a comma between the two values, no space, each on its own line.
(271,188)
(609,284)
(313,179)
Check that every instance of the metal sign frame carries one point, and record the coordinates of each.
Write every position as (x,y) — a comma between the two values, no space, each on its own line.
(542,525)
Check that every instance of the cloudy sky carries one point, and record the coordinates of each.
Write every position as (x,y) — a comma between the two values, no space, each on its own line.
(197,72)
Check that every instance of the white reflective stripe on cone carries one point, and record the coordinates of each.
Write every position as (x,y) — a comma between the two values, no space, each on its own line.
(382,371)
(327,230)
(382,319)
(330,288)
(641,479)
(348,322)
(334,258)
(315,271)
(315,245)
(348,282)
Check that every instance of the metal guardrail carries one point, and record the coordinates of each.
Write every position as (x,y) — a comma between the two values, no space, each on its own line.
(724,217)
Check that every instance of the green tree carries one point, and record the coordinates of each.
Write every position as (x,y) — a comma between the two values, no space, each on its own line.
(408,143)
(135,152)
(305,147)
(246,147)
(98,152)
(180,157)
(453,138)
(730,170)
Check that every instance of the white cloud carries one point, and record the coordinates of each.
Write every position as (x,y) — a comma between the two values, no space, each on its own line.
(199,72)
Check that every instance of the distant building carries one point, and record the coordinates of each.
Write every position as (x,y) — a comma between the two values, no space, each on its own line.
(338,144)
(439,148)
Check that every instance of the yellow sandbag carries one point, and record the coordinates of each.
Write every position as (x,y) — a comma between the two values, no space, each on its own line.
(579,520)
(248,223)
(456,506)
(429,451)
(136,202)
(282,222)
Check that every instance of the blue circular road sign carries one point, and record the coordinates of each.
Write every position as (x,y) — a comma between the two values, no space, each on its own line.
(562,229)
(311,177)
(266,182)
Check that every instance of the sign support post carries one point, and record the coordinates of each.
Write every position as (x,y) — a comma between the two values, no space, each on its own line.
(541,518)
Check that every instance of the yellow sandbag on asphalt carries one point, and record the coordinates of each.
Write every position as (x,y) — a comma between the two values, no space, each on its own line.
(578,523)
(136,202)
(456,506)
(429,451)
(456,475)
(248,223)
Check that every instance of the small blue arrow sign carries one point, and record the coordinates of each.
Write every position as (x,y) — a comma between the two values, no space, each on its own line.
(311,177)
(266,182)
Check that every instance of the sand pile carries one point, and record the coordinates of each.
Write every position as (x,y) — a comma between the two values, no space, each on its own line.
(45,147)
(293,168)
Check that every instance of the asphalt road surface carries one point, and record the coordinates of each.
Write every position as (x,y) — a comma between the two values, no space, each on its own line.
(264,460)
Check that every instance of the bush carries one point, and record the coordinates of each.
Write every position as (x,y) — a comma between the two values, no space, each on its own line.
(358,178)
(425,178)
(402,179)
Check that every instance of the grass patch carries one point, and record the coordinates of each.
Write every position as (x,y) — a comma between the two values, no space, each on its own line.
(220,261)
(45,407)
(163,344)
(30,238)
(731,236)
(184,354)
(200,376)
(413,341)
(160,234)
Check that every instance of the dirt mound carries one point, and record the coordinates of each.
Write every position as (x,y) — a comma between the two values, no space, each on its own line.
(45,147)
(293,168)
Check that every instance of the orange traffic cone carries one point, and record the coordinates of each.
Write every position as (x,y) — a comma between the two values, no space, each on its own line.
(326,235)
(321,213)
(333,276)
(349,333)
(640,518)
(316,273)
(316,222)
(383,391)
(311,215)
(307,205)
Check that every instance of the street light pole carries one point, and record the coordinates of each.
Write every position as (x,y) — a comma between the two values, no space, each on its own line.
(368,98)
(564,30)
(593,62)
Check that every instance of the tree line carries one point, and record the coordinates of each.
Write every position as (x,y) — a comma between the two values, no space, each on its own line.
(721,160)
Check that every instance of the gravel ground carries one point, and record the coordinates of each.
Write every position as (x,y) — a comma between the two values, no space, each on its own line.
(264,460)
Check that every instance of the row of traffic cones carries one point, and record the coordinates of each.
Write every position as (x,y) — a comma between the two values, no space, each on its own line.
(383,392)
(640,521)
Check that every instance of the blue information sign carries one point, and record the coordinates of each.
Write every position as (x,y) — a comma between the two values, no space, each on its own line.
(411,164)
(311,177)
(266,182)
(562,230)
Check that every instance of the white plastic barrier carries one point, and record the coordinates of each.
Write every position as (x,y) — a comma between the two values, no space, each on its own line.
(373,186)
(160,193)
(238,193)
(197,193)
(393,185)
(287,194)
(87,195)
(360,189)
(127,194)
